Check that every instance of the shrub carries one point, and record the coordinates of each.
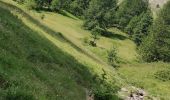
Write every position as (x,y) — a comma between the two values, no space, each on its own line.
(95,35)
(112,57)
(19,96)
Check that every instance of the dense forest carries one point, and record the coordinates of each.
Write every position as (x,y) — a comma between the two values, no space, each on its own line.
(156,46)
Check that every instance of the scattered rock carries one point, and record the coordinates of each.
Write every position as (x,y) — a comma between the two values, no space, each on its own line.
(124,90)
(89,95)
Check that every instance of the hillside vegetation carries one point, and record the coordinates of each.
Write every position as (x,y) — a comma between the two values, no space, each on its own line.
(84,49)
(81,73)
(153,77)
(31,67)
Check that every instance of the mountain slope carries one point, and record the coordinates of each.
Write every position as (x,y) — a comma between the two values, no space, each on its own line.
(52,56)
(71,28)
(57,40)
(31,67)
(52,61)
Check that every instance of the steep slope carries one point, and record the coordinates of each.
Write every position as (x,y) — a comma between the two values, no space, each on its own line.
(54,50)
(52,61)
(31,67)
(57,39)
(71,28)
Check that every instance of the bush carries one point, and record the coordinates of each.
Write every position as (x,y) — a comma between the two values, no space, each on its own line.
(95,35)
(138,27)
(112,57)
(127,10)
(19,96)
(55,5)
(102,90)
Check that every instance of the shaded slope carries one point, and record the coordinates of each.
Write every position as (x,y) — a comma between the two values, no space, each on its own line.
(33,68)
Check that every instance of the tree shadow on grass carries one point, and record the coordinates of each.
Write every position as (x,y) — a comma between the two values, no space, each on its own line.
(64,13)
(112,35)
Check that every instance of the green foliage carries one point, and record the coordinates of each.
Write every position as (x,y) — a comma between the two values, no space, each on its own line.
(42,3)
(95,35)
(30,4)
(103,90)
(163,75)
(138,26)
(36,4)
(100,13)
(18,95)
(112,57)
(58,5)
(78,7)
(40,69)
(128,9)
(144,75)
(156,46)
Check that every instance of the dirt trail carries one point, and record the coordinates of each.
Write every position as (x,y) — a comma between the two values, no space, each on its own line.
(89,95)
(134,93)
(154,3)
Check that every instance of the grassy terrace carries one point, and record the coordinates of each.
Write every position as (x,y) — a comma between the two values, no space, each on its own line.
(143,75)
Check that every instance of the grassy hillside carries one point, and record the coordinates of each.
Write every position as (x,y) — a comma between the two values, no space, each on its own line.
(33,68)
(145,75)
(71,28)
(46,62)
(40,58)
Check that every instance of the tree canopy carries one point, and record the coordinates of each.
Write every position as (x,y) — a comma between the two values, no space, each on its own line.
(156,46)
(100,13)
